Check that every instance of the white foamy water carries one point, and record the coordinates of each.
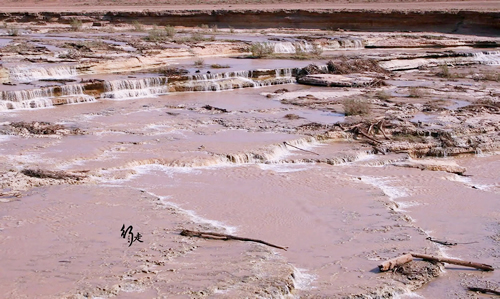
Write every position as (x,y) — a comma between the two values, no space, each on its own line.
(195,217)
(286,167)
(383,184)
(28,73)
(302,280)
(488,57)
(469,182)
(135,88)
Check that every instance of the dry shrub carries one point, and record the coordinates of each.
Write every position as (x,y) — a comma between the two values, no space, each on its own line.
(50,174)
(416,92)
(42,128)
(199,62)
(138,26)
(172,71)
(311,69)
(346,65)
(382,95)
(292,116)
(261,49)
(444,72)
(76,25)
(220,66)
(356,106)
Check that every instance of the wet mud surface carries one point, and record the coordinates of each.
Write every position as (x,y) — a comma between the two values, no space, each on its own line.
(104,130)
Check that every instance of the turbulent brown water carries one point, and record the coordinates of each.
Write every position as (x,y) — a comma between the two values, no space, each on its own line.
(222,153)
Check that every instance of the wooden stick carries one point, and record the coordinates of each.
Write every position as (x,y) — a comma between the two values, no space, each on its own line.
(365,135)
(395,262)
(484,291)
(286,143)
(215,236)
(381,127)
(484,267)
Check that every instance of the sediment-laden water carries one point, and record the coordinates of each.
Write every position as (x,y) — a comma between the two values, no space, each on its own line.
(251,153)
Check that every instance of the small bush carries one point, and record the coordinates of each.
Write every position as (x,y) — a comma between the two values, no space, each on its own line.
(261,49)
(492,76)
(356,107)
(197,37)
(172,71)
(138,26)
(444,72)
(170,31)
(383,95)
(220,66)
(13,31)
(159,35)
(317,50)
(416,92)
(76,25)
(199,62)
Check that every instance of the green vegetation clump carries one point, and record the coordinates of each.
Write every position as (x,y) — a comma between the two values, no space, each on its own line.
(160,35)
(261,49)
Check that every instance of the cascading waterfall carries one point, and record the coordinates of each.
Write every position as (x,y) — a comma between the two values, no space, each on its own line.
(32,73)
(137,88)
(239,79)
(291,47)
(72,94)
(145,87)
(24,99)
(344,43)
(488,57)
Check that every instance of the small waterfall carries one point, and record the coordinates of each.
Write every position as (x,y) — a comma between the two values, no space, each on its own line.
(26,99)
(488,57)
(73,94)
(26,95)
(139,88)
(43,97)
(33,73)
(235,80)
(291,47)
(344,43)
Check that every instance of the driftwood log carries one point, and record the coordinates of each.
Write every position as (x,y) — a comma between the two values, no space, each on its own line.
(215,236)
(399,261)
(395,262)
(484,291)
(484,267)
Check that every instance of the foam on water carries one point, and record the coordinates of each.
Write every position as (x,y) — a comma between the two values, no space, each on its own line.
(137,88)
(382,183)
(286,167)
(407,295)
(468,182)
(488,57)
(302,280)
(195,217)
(27,73)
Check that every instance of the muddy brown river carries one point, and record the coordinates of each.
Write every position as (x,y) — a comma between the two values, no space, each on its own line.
(249,152)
